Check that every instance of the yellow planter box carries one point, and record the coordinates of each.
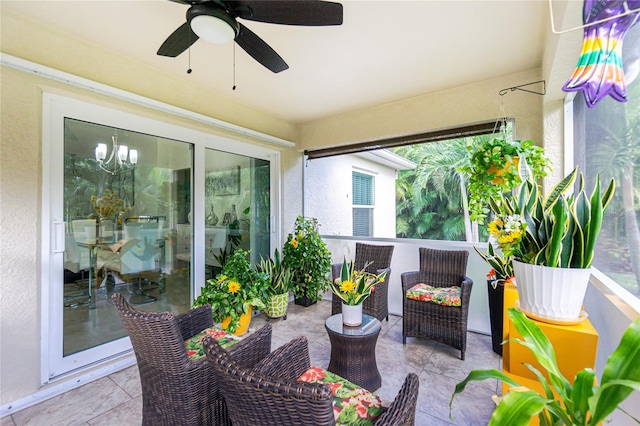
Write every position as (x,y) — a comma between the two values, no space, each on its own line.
(575,345)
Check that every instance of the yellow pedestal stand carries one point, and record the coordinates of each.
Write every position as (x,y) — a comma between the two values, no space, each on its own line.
(575,347)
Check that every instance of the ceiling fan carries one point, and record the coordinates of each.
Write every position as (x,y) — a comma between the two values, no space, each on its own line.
(216,21)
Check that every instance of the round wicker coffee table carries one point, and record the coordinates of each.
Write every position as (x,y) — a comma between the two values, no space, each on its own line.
(353,351)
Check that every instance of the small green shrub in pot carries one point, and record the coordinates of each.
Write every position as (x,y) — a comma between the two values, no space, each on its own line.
(308,258)
(580,403)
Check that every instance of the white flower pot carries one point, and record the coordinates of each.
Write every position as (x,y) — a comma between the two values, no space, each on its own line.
(551,294)
(352,315)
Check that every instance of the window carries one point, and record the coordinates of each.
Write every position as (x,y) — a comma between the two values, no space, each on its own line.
(420,193)
(607,142)
(363,202)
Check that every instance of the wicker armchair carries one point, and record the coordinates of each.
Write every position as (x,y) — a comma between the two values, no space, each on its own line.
(376,304)
(446,324)
(270,395)
(175,390)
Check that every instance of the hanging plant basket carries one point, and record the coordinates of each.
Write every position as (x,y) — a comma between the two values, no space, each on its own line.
(501,169)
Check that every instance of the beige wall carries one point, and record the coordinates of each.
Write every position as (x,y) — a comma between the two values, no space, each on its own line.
(20,176)
(448,108)
(20,154)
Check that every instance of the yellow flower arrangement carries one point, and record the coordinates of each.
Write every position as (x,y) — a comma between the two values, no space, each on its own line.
(352,286)
(508,232)
(109,205)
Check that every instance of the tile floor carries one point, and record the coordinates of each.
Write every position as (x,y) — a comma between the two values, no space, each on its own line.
(115,400)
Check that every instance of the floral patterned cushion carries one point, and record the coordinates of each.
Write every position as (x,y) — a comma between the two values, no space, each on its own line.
(446,296)
(352,405)
(194,347)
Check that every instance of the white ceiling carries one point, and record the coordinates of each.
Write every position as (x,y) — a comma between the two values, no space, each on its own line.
(384,51)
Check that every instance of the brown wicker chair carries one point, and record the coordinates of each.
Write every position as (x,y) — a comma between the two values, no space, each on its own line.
(376,304)
(175,390)
(270,395)
(446,324)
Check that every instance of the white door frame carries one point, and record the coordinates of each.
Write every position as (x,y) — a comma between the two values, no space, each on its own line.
(55,108)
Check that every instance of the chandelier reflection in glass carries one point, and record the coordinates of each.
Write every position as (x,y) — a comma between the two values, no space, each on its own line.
(117,161)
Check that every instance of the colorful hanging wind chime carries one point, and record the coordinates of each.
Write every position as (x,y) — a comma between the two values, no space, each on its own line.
(599,71)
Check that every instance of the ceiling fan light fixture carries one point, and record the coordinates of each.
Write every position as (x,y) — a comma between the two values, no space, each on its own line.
(212,29)
(212,23)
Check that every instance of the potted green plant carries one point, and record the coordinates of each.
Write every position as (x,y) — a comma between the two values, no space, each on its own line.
(353,287)
(552,240)
(278,286)
(309,260)
(493,170)
(234,293)
(500,274)
(563,403)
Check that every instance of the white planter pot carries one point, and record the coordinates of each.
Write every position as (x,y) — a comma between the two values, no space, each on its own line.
(551,294)
(352,315)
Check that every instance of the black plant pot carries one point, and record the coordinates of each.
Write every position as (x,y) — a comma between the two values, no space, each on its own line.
(304,301)
(496,310)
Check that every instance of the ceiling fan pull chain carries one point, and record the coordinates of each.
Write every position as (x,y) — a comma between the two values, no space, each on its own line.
(234,67)
(189,55)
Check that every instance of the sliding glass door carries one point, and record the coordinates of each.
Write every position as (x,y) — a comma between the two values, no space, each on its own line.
(142,208)
(119,219)
(237,208)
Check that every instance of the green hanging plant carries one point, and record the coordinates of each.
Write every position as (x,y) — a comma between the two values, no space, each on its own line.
(493,170)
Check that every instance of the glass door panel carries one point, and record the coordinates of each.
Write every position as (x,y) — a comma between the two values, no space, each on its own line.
(126,229)
(237,208)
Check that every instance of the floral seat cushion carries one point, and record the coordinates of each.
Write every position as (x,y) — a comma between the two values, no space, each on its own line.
(445,296)
(352,405)
(194,347)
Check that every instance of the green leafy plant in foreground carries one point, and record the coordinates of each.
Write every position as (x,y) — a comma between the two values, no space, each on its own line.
(582,403)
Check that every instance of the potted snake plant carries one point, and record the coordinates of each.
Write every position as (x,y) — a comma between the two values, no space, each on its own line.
(552,241)
(278,285)
(563,403)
